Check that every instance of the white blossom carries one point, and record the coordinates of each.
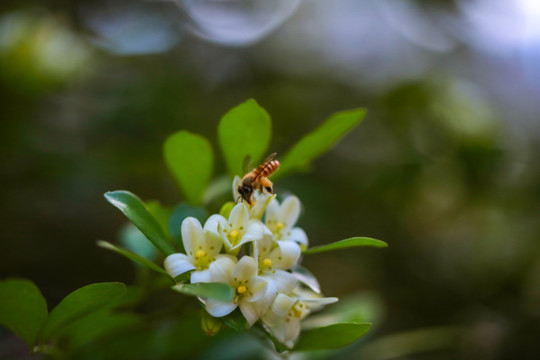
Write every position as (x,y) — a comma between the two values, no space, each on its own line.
(202,248)
(283,319)
(280,219)
(248,287)
(237,230)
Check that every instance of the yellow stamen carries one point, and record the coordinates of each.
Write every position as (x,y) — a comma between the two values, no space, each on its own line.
(241,289)
(280,226)
(267,262)
(234,234)
(296,313)
(199,254)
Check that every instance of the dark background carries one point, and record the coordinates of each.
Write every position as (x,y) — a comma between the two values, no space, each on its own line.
(444,167)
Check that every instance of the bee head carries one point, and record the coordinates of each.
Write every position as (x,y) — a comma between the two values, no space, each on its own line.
(245,190)
(269,189)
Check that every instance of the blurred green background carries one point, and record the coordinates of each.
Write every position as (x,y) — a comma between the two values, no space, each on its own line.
(444,168)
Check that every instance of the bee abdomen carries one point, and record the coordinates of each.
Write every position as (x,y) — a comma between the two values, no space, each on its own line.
(270,168)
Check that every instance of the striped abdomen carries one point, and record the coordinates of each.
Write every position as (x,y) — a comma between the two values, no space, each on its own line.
(266,169)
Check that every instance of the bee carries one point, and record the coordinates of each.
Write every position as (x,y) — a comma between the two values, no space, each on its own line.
(258,178)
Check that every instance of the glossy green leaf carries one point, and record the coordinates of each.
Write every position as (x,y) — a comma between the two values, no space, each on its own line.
(178,215)
(244,131)
(80,303)
(217,291)
(331,337)
(190,159)
(347,243)
(138,214)
(23,309)
(132,256)
(319,141)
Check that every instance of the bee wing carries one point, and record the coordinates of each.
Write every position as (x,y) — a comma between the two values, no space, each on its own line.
(264,164)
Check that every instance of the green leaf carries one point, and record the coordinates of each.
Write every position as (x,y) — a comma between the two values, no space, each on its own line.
(80,303)
(99,324)
(190,159)
(138,214)
(226,209)
(244,131)
(160,213)
(331,337)
(347,243)
(132,256)
(23,309)
(217,291)
(178,215)
(319,141)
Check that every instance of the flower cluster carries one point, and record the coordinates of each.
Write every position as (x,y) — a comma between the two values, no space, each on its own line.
(259,259)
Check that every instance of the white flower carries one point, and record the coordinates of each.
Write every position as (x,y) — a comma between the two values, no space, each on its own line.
(237,230)
(259,204)
(284,316)
(248,287)
(202,248)
(273,260)
(280,219)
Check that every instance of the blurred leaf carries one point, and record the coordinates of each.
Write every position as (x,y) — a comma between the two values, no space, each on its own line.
(190,159)
(358,308)
(138,214)
(331,337)
(217,291)
(160,213)
(244,131)
(178,215)
(23,309)
(134,240)
(347,243)
(319,141)
(236,320)
(226,209)
(132,256)
(80,303)
(99,324)
(219,188)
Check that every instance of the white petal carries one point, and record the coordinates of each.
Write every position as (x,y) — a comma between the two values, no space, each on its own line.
(176,264)
(282,304)
(290,211)
(212,223)
(286,255)
(261,203)
(219,308)
(263,304)
(192,234)
(221,269)
(245,269)
(213,243)
(299,236)
(262,247)
(320,301)
(272,211)
(237,181)
(292,330)
(284,281)
(239,216)
(249,312)
(202,276)
(307,278)
(257,286)
(255,232)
